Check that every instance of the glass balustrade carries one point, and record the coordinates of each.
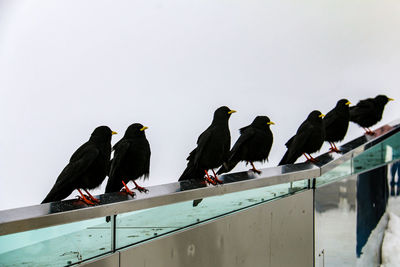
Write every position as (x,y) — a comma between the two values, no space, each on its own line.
(71,243)
(137,226)
(59,245)
(380,154)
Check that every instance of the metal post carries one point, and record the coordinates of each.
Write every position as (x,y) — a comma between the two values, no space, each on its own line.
(113,232)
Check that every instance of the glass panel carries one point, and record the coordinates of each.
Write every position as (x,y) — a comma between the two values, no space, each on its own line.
(380,154)
(57,245)
(335,174)
(142,225)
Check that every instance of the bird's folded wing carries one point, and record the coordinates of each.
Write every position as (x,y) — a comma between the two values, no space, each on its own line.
(297,142)
(246,134)
(81,162)
(202,141)
(329,118)
(366,103)
(120,150)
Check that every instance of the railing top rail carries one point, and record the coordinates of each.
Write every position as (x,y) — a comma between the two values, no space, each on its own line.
(51,214)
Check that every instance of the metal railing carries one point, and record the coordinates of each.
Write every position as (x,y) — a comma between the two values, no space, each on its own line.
(168,208)
(51,214)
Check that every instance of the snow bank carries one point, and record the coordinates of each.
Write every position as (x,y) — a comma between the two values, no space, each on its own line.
(391,243)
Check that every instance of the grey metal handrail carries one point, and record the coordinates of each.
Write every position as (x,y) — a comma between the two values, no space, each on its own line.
(56,213)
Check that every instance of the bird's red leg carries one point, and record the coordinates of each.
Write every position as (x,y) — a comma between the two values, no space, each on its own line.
(208,179)
(370,132)
(92,197)
(306,156)
(333,148)
(254,168)
(84,198)
(140,188)
(311,159)
(127,190)
(218,181)
(337,149)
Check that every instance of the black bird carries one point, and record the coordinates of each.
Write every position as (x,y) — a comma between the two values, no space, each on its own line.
(212,148)
(368,112)
(86,169)
(254,144)
(336,123)
(131,160)
(308,139)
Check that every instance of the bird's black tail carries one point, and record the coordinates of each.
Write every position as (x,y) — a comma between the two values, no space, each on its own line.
(227,166)
(57,194)
(288,159)
(192,172)
(113,185)
(284,159)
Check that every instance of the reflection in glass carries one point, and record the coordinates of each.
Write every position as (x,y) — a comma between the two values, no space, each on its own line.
(385,152)
(57,245)
(142,225)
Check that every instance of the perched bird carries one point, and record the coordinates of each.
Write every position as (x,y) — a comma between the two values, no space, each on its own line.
(308,139)
(336,123)
(212,148)
(254,144)
(131,160)
(369,111)
(86,169)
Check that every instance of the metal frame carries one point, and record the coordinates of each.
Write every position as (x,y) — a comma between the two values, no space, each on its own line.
(51,214)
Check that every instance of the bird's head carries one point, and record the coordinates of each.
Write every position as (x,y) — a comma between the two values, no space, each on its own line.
(262,122)
(102,133)
(223,113)
(135,129)
(315,115)
(343,103)
(382,99)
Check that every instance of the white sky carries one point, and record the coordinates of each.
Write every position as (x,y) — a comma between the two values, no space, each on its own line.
(69,66)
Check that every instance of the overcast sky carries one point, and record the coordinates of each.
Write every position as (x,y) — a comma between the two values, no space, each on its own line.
(67,67)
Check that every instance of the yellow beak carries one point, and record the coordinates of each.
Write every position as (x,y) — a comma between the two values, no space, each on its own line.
(348,103)
(390,99)
(144,128)
(231,111)
(112,132)
(321,116)
(271,123)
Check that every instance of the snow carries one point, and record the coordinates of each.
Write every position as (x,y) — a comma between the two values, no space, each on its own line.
(391,242)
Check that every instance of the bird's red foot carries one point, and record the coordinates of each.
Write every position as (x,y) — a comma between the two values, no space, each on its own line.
(215,178)
(208,179)
(254,169)
(92,198)
(333,149)
(127,190)
(140,188)
(85,198)
(312,160)
(368,131)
